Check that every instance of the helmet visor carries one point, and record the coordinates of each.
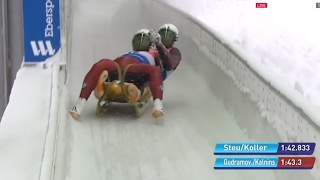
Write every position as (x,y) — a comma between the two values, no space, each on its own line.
(168,37)
(141,42)
(167,34)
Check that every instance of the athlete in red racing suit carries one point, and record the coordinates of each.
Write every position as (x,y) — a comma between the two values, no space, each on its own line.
(144,68)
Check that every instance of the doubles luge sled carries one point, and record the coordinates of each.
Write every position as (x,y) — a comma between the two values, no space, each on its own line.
(116,92)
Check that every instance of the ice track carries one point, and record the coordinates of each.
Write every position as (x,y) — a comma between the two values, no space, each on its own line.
(198,113)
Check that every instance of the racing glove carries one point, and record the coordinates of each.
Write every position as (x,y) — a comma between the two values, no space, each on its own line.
(155,37)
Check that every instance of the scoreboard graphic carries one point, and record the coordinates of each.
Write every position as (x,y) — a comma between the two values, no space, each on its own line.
(264,155)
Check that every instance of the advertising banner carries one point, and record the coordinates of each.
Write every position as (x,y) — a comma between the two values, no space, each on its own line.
(41,29)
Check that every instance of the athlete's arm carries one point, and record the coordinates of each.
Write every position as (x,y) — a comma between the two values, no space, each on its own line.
(167,60)
(176,57)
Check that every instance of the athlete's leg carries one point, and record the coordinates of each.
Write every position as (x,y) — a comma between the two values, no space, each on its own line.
(135,83)
(155,84)
(99,90)
(139,91)
(90,81)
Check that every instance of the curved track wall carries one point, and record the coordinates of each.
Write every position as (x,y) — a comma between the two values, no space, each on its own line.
(288,113)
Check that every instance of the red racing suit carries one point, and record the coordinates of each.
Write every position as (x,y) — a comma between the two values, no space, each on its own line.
(139,73)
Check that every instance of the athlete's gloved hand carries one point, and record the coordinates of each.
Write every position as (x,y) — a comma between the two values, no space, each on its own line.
(155,36)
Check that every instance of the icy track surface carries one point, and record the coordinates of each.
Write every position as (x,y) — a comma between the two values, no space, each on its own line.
(119,147)
(284,37)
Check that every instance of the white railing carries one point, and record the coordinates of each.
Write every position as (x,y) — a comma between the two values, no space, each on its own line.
(294,119)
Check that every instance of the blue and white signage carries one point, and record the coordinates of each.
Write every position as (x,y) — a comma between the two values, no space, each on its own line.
(41,29)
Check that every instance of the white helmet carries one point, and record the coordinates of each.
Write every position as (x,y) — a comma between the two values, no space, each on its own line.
(142,31)
(141,40)
(169,34)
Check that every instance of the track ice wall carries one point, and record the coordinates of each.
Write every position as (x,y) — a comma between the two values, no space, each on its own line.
(279,37)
